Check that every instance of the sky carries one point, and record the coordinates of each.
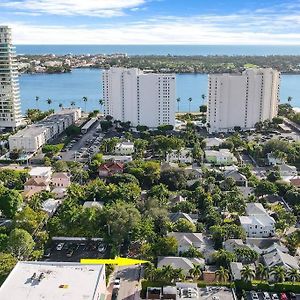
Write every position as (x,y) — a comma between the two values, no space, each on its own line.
(207,22)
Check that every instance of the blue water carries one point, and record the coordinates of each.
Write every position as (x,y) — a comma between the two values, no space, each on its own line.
(160,49)
(64,88)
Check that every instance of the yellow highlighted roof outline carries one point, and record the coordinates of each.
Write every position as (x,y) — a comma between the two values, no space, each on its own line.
(120,261)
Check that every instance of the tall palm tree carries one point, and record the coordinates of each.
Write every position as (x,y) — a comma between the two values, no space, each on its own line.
(196,271)
(190,100)
(279,273)
(60,105)
(222,274)
(262,272)
(247,273)
(289,99)
(149,271)
(49,101)
(203,98)
(73,103)
(85,99)
(294,275)
(178,101)
(178,274)
(167,273)
(37,98)
(101,102)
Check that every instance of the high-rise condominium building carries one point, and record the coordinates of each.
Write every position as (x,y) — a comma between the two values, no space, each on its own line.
(10,107)
(141,98)
(242,100)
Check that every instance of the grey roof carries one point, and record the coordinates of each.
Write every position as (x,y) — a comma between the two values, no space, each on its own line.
(183,263)
(278,258)
(180,215)
(236,175)
(232,244)
(188,236)
(255,209)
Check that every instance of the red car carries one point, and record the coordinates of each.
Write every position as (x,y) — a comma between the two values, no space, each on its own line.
(283,296)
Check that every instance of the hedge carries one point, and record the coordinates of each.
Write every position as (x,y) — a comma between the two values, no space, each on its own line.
(268,287)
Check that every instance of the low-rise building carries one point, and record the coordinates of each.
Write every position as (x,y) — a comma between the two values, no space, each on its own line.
(239,178)
(272,160)
(33,137)
(214,142)
(174,217)
(50,206)
(124,148)
(35,280)
(36,185)
(258,223)
(184,263)
(61,179)
(180,156)
(221,157)
(117,158)
(109,169)
(287,170)
(43,173)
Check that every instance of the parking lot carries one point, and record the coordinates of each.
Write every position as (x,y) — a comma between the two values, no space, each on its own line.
(271,296)
(83,147)
(215,293)
(74,249)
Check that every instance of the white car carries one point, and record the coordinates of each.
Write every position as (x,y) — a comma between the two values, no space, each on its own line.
(275,297)
(117,283)
(266,296)
(254,296)
(59,246)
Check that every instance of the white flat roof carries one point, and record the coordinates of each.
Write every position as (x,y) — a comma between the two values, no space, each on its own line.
(39,171)
(61,281)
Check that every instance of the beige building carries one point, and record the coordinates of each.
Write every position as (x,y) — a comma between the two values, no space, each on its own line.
(242,100)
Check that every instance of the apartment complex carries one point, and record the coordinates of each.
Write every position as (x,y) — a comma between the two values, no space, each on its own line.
(10,107)
(33,137)
(242,100)
(141,98)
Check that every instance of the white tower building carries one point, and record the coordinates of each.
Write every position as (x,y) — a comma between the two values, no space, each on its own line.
(141,98)
(242,100)
(10,110)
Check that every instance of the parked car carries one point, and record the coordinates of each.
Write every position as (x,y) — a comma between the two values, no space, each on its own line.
(60,246)
(101,248)
(70,252)
(47,252)
(266,296)
(275,297)
(283,296)
(117,283)
(254,296)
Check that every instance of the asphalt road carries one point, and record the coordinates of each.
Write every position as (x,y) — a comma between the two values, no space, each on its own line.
(129,288)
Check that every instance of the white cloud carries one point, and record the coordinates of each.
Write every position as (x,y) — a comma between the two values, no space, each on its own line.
(99,8)
(206,29)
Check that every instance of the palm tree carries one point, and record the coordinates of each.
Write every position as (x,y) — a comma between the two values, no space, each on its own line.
(178,274)
(149,271)
(222,274)
(167,273)
(85,99)
(37,98)
(60,105)
(190,100)
(101,102)
(294,274)
(289,99)
(178,101)
(73,103)
(49,101)
(279,273)
(262,272)
(247,273)
(196,271)
(203,98)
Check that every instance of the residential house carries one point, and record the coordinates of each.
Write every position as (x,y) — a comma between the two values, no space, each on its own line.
(258,223)
(265,245)
(220,157)
(239,178)
(236,268)
(186,240)
(279,258)
(50,206)
(287,170)
(124,148)
(109,169)
(92,204)
(61,179)
(36,185)
(213,143)
(183,155)
(43,173)
(174,199)
(184,263)
(174,217)
(232,244)
(273,161)
(295,182)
